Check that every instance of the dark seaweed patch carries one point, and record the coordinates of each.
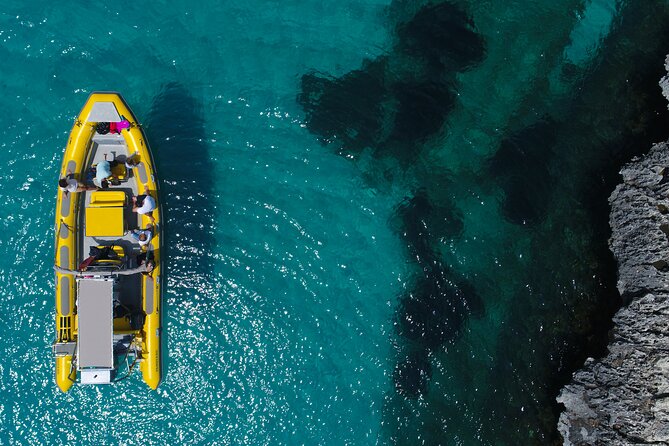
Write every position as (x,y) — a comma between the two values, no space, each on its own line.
(438,305)
(417,215)
(393,112)
(412,215)
(348,108)
(444,36)
(434,311)
(412,102)
(521,166)
(422,109)
(412,375)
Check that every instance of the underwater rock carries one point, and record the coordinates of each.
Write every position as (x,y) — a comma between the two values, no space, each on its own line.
(623,398)
(435,310)
(422,109)
(438,305)
(392,112)
(421,221)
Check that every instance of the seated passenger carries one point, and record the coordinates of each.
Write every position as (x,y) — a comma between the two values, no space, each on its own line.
(145,260)
(132,161)
(69,184)
(144,204)
(143,236)
(103,173)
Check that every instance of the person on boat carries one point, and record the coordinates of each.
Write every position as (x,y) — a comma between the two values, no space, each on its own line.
(144,205)
(145,268)
(103,173)
(69,184)
(132,161)
(145,259)
(143,236)
(117,127)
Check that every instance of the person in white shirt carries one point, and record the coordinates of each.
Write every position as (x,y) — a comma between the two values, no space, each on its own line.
(69,184)
(143,236)
(144,204)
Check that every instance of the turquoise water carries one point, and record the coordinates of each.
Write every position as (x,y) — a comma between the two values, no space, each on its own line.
(376,235)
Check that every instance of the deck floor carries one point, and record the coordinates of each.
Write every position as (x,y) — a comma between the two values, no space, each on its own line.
(128,288)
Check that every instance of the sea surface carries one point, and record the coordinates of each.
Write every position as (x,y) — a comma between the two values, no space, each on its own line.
(387,221)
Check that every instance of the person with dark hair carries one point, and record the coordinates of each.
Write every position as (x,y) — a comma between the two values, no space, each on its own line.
(132,161)
(144,204)
(146,262)
(143,236)
(69,184)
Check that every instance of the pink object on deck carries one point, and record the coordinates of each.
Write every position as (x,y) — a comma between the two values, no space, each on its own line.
(116,127)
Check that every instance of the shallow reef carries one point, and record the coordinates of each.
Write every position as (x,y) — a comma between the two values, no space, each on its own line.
(392,111)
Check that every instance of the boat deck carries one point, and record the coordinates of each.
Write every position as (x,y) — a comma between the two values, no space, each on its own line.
(114,147)
(113,224)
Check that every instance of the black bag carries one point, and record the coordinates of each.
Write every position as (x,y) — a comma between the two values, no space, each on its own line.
(103,252)
(102,128)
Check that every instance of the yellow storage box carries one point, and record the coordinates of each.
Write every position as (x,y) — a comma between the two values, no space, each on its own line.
(104,214)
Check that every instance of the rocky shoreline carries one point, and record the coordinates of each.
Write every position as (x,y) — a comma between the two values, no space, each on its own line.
(623,398)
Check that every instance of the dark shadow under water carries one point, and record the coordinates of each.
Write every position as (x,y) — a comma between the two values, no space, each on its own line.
(175,129)
(390,109)
(393,113)
(522,168)
(434,311)
(617,112)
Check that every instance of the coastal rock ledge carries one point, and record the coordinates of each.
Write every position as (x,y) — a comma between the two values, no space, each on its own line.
(623,399)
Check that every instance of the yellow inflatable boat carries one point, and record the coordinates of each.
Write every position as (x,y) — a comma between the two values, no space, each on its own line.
(108,245)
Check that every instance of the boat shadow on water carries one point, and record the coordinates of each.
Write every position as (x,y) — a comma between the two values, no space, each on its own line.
(176,132)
